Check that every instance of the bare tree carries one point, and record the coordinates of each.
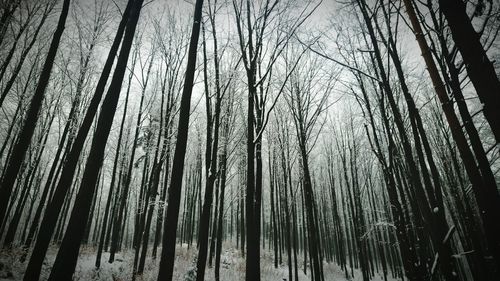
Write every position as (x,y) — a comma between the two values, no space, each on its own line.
(26,133)
(174,194)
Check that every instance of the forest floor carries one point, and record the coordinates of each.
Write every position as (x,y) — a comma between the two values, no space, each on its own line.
(232,267)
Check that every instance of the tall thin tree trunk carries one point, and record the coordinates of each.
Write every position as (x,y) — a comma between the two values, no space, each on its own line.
(29,125)
(174,191)
(479,67)
(49,221)
(113,174)
(67,256)
(486,195)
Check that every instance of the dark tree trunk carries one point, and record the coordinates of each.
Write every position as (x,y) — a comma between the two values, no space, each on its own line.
(23,25)
(113,176)
(119,219)
(220,235)
(211,168)
(24,54)
(52,173)
(8,10)
(479,67)
(41,144)
(486,195)
(29,125)
(67,256)
(49,221)
(174,191)
(434,222)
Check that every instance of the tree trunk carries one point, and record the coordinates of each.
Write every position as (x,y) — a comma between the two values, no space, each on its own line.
(486,195)
(67,255)
(29,125)
(113,174)
(174,191)
(479,67)
(220,225)
(49,221)
(211,169)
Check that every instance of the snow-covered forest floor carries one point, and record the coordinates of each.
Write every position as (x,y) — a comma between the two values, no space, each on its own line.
(232,267)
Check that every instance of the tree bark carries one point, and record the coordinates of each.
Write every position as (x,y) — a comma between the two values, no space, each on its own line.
(67,255)
(29,125)
(49,221)
(174,191)
(486,195)
(479,67)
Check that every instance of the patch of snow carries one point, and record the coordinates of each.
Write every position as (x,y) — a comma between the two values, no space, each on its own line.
(232,266)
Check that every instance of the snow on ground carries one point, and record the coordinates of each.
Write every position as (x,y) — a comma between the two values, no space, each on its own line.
(232,267)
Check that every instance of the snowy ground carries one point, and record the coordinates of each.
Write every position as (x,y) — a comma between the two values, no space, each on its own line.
(232,267)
